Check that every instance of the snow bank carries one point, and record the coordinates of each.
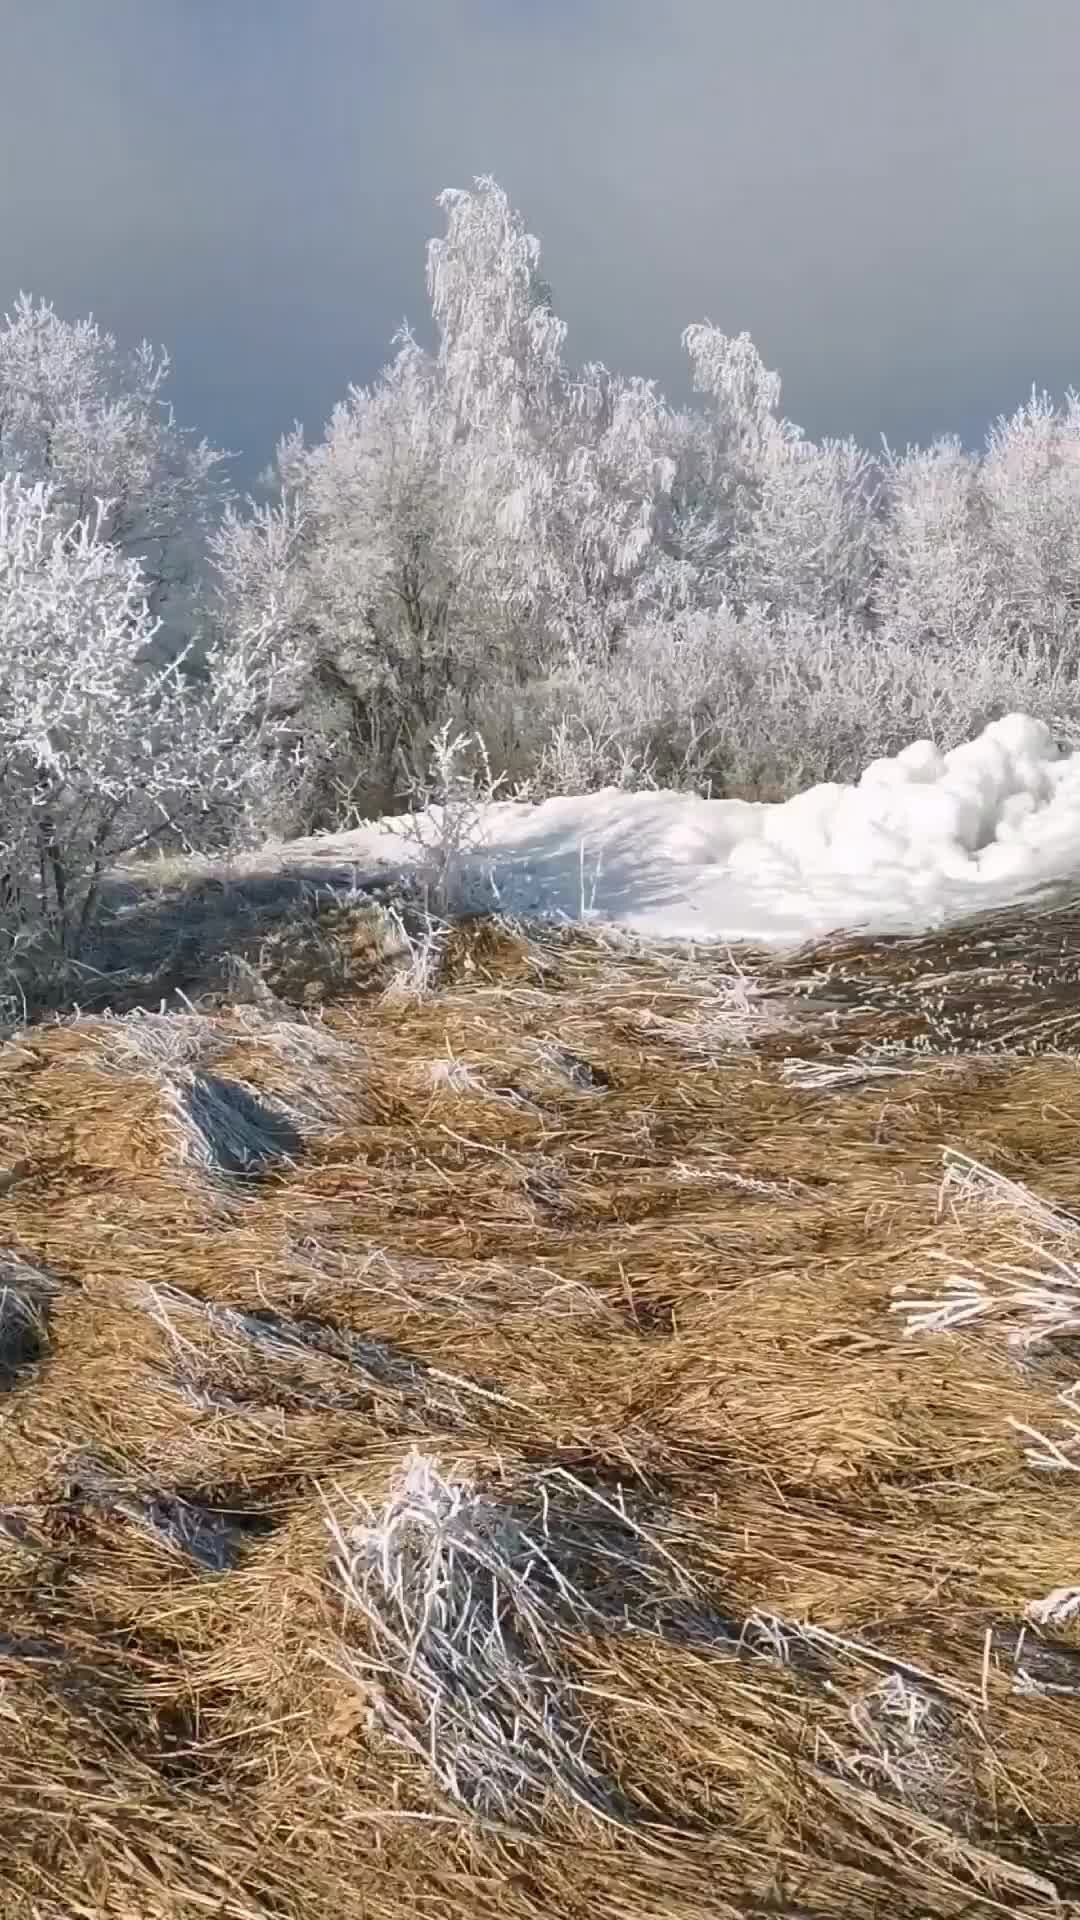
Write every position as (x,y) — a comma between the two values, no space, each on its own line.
(918,840)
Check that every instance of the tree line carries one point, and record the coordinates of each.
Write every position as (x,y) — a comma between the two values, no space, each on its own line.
(592,584)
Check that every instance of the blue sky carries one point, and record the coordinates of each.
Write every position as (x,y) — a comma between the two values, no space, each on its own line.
(885,192)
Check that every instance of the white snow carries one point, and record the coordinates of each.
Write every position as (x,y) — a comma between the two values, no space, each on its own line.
(919,840)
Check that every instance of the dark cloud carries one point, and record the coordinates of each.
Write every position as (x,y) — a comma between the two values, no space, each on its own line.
(885,192)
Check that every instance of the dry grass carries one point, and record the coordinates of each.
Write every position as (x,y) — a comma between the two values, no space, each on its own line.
(593,1439)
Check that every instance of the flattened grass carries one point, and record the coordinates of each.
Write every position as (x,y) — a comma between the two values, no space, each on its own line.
(601,1462)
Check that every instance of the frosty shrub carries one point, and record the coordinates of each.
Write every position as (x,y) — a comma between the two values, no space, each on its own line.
(101,751)
(761,707)
(445,827)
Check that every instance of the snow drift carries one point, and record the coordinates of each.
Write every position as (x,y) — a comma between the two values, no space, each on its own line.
(919,839)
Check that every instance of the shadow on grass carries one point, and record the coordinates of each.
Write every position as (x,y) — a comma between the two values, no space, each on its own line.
(197,936)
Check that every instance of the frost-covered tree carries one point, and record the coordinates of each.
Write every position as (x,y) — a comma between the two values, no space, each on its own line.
(989,543)
(740,432)
(934,589)
(93,422)
(811,545)
(100,752)
(499,340)
(614,537)
(1030,490)
(770,517)
(463,522)
(561,476)
(356,567)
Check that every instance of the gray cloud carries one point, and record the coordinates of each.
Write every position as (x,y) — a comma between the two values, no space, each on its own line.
(885,192)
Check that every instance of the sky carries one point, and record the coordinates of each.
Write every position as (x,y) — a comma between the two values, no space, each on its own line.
(885,193)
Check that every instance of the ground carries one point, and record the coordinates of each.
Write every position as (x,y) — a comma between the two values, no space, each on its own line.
(558,1429)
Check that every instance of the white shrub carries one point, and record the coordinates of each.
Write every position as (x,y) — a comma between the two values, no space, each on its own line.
(761,706)
(100,751)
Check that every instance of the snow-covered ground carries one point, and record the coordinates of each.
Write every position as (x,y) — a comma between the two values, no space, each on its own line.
(919,840)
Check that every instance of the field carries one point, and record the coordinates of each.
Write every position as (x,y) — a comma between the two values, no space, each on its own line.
(562,1430)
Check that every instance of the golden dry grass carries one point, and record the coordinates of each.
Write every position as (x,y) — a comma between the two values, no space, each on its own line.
(611,1247)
